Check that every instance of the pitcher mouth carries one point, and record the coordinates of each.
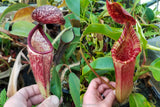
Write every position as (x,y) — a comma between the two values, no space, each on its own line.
(127,47)
(42,47)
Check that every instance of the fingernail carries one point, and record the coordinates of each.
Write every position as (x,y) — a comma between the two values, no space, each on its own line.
(114,92)
(55,100)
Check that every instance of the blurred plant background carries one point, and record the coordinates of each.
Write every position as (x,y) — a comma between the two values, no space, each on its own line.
(99,32)
(15,25)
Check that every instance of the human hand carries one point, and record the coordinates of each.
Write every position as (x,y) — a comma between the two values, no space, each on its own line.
(95,93)
(28,96)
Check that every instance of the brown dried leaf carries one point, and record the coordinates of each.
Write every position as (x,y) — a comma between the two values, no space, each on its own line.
(12,86)
(146,77)
(24,14)
(75,23)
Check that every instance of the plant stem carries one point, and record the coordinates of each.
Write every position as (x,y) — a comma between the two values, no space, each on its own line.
(145,66)
(139,74)
(144,55)
(14,37)
(70,66)
(110,86)
(152,47)
(8,33)
(136,75)
(143,72)
(12,59)
(59,35)
(4,62)
(67,67)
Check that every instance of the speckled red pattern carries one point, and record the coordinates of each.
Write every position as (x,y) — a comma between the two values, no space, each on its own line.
(40,52)
(124,54)
(48,14)
(40,49)
(119,14)
(36,42)
(41,64)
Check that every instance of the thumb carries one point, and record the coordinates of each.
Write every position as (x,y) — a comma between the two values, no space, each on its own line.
(51,101)
(109,99)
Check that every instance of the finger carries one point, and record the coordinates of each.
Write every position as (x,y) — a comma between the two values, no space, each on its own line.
(21,97)
(37,99)
(92,89)
(104,87)
(95,83)
(110,98)
(51,101)
(113,83)
(105,93)
(29,91)
(15,101)
(61,100)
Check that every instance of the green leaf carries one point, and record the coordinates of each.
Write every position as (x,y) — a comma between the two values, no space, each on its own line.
(149,25)
(74,85)
(102,64)
(7,25)
(58,67)
(74,6)
(93,18)
(140,35)
(155,69)
(103,29)
(81,99)
(49,37)
(116,29)
(149,14)
(67,36)
(11,8)
(84,6)
(68,24)
(55,84)
(72,48)
(5,36)
(76,31)
(3,97)
(22,28)
(138,100)
(99,72)
(67,21)
(138,60)
(151,33)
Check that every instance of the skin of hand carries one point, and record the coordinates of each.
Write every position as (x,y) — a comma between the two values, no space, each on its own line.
(28,96)
(93,96)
